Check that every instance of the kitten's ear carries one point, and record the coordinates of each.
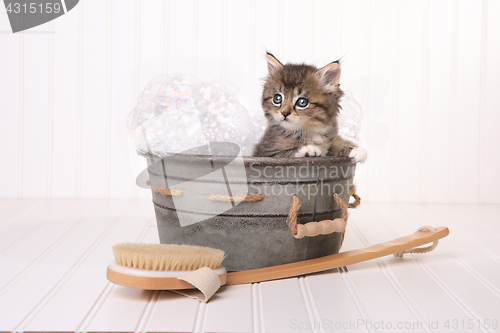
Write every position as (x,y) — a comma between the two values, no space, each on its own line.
(329,76)
(273,64)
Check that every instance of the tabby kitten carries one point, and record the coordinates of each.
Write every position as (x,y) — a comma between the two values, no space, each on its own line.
(301,104)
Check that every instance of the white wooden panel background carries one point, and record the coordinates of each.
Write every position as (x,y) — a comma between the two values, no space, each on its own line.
(426,74)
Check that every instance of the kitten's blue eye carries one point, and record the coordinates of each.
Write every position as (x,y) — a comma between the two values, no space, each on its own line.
(277,99)
(302,102)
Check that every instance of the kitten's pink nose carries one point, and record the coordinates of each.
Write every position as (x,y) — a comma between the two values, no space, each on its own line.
(285,113)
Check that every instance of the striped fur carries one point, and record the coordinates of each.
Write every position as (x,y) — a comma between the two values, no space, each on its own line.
(302,131)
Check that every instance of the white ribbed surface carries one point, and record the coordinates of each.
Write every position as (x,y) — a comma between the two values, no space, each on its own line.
(54,254)
(425,72)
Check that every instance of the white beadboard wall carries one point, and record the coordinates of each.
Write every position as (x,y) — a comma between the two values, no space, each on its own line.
(426,74)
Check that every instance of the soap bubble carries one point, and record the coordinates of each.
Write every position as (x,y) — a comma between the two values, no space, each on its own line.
(170,132)
(349,118)
(174,114)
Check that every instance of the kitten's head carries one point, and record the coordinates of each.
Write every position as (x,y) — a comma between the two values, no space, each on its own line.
(301,97)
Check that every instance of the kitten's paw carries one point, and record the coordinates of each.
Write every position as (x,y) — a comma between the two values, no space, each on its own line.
(308,151)
(358,155)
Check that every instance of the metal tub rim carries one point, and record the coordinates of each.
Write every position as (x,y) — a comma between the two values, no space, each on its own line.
(256,161)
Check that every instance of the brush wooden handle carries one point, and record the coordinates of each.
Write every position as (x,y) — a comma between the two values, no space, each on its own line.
(336,260)
(154,280)
(146,283)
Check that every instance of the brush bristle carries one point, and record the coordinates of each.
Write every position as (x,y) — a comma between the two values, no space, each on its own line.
(166,257)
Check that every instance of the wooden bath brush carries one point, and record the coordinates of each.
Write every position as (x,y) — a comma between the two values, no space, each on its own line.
(156,266)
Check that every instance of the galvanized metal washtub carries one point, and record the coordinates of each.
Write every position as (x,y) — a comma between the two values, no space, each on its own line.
(253,234)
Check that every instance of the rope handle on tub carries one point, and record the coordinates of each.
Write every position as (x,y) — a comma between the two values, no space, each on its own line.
(357,199)
(313,229)
(168,191)
(252,198)
(238,197)
(212,196)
